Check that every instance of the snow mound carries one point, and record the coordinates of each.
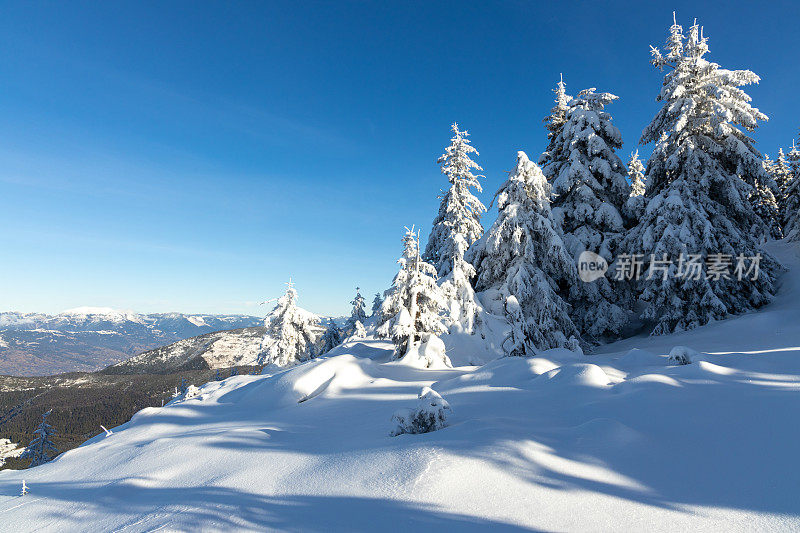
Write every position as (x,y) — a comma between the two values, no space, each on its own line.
(719,370)
(304,382)
(503,372)
(645,381)
(578,375)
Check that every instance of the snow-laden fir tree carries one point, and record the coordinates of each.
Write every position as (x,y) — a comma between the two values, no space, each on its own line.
(553,124)
(522,265)
(413,304)
(589,190)
(291,332)
(458,223)
(792,196)
(331,338)
(766,206)
(636,174)
(636,202)
(782,176)
(766,200)
(357,315)
(769,166)
(455,228)
(698,197)
(41,449)
(358,331)
(781,172)
(377,303)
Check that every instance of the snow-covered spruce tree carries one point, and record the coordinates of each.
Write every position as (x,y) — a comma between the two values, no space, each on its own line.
(781,172)
(455,228)
(766,206)
(413,306)
(357,315)
(782,176)
(553,124)
(377,303)
(522,265)
(291,332)
(331,338)
(458,223)
(40,449)
(792,197)
(636,174)
(358,331)
(589,190)
(636,202)
(698,199)
(769,166)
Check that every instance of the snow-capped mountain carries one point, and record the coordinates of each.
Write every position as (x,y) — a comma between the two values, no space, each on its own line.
(89,338)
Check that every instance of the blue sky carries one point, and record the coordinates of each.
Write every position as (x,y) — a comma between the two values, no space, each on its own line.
(192,156)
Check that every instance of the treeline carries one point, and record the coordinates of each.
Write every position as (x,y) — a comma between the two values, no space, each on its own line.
(681,236)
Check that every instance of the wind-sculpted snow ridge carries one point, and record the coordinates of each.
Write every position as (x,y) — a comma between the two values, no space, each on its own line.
(617,441)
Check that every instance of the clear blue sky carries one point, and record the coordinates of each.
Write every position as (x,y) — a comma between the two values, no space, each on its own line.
(192,156)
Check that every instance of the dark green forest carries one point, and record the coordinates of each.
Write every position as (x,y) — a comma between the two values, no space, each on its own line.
(81,402)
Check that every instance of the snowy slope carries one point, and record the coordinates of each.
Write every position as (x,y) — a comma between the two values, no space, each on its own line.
(621,440)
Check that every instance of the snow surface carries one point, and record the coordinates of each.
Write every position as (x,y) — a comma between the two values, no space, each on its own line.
(620,440)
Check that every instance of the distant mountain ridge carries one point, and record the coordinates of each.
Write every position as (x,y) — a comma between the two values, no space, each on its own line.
(91,338)
(221,349)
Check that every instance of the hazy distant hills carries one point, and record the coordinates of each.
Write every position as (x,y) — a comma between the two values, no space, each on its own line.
(87,339)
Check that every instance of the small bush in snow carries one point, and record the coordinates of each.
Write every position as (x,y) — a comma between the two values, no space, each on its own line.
(191,392)
(430,414)
(681,355)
